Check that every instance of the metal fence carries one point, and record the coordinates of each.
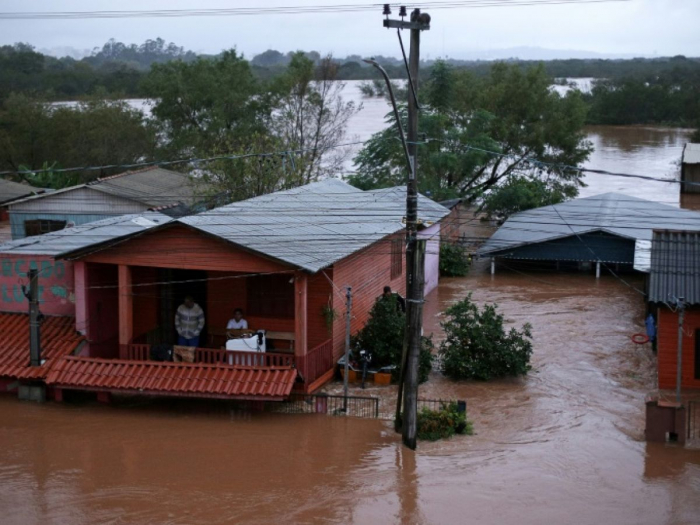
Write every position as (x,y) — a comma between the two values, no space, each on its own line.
(439,404)
(353,406)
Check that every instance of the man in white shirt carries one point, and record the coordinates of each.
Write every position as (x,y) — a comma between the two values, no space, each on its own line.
(237,323)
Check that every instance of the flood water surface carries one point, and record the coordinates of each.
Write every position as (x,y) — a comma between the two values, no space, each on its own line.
(563,445)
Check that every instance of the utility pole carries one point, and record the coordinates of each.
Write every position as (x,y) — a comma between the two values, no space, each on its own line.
(348,318)
(34,321)
(415,254)
(680,304)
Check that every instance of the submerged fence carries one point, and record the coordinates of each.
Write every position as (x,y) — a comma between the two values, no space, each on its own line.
(352,406)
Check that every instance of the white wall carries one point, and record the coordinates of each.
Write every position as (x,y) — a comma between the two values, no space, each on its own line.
(432,256)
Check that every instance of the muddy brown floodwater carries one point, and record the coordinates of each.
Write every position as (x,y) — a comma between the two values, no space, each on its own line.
(563,445)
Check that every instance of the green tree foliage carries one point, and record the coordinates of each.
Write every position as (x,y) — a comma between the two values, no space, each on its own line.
(35,135)
(673,98)
(443,423)
(454,260)
(477,346)
(521,193)
(383,336)
(509,111)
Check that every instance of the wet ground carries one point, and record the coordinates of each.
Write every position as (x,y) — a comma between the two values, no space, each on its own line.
(563,445)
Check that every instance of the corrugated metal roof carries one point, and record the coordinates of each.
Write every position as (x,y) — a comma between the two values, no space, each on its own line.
(63,242)
(691,153)
(58,339)
(615,213)
(10,190)
(675,267)
(154,187)
(151,377)
(315,225)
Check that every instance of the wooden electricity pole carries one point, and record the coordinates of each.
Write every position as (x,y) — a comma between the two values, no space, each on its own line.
(34,319)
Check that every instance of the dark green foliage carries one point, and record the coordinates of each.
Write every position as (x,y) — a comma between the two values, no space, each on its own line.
(524,193)
(383,336)
(510,111)
(443,423)
(454,260)
(33,136)
(477,346)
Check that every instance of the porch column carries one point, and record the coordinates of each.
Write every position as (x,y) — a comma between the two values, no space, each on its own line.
(597,270)
(300,313)
(126,303)
(80,281)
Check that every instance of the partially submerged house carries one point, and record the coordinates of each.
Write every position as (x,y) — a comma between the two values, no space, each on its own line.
(675,274)
(690,169)
(152,188)
(285,258)
(10,192)
(611,228)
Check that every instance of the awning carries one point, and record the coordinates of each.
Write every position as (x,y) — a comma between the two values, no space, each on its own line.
(173,379)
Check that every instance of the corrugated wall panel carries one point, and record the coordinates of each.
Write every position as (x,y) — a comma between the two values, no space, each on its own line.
(668,348)
(79,201)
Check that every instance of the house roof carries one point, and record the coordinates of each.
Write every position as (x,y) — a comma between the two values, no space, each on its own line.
(12,191)
(691,153)
(315,225)
(451,203)
(164,378)
(675,267)
(614,213)
(154,187)
(63,242)
(58,339)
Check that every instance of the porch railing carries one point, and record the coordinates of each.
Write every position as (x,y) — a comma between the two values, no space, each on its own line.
(316,362)
(142,352)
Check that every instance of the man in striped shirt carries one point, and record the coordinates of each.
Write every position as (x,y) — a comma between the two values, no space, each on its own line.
(189,321)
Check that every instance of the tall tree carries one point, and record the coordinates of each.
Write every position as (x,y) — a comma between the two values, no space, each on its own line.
(510,112)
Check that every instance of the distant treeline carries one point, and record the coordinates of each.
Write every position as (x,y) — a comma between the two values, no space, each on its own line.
(634,91)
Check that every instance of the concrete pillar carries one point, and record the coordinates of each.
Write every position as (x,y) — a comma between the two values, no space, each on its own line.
(493,265)
(126,306)
(81,297)
(597,270)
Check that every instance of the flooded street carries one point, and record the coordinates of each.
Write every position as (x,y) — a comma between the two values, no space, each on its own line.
(563,445)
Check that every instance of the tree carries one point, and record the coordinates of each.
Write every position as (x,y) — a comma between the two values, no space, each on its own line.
(477,346)
(520,193)
(311,118)
(511,112)
(35,135)
(383,337)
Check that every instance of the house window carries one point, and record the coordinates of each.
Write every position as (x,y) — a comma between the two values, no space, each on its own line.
(270,296)
(41,226)
(396,258)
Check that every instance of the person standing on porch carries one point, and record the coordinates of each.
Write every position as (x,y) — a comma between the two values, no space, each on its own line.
(189,321)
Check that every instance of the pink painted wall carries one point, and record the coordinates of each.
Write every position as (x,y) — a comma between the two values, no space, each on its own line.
(432,256)
(56,287)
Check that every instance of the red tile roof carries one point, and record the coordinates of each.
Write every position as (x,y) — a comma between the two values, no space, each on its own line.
(182,379)
(58,338)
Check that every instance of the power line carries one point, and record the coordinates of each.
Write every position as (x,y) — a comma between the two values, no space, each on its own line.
(279,10)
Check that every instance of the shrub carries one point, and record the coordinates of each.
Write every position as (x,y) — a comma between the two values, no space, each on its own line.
(383,337)
(443,423)
(477,346)
(454,261)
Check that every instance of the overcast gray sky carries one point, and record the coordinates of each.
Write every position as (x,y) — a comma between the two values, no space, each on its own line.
(636,27)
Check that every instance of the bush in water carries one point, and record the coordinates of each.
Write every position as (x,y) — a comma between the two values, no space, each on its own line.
(443,423)
(477,346)
(454,261)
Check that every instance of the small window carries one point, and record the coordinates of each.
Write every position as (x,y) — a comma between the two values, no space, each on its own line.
(41,226)
(396,258)
(270,296)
